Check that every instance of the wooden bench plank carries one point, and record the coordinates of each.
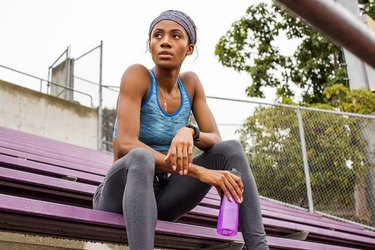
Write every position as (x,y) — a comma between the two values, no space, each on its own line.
(76,155)
(55,162)
(47,182)
(48,170)
(321,223)
(50,146)
(282,243)
(316,229)
(276,206)
(321,233)
(9,204)
(18,136)
(284,209)
(89,161)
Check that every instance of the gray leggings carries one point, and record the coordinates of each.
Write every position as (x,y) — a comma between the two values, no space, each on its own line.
(128,188)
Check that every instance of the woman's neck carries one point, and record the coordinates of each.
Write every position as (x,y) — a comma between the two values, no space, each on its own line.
(166,78)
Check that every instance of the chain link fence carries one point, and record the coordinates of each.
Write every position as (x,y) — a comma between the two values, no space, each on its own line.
(316,159)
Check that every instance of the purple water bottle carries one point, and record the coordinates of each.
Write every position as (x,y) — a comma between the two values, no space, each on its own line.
(227,223)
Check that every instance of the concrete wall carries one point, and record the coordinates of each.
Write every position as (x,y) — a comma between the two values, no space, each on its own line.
(20,241)
(40,114)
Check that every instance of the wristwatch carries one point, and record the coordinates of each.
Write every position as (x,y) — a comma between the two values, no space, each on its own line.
(196,132)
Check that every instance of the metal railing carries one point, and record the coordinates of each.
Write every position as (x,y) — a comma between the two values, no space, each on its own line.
(47,82)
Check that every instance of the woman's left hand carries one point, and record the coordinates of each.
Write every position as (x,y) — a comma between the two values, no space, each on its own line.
(225,182)
(180,152)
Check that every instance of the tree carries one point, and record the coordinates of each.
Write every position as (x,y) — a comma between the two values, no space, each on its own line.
(358,101)
(336,150)
(253,45)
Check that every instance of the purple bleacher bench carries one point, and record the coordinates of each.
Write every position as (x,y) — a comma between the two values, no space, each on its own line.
(46,188)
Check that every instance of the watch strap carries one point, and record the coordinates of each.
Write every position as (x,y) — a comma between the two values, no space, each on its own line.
(196,131)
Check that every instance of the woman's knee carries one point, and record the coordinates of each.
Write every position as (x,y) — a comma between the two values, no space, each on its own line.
(233,152)
(229,147)
(141,161)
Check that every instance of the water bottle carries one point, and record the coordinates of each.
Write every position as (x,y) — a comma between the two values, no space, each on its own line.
(227,223)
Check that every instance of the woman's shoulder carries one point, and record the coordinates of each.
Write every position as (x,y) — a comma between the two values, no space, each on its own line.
(192,84)
(135,74)
(190,79)
(189,76)
(136,69)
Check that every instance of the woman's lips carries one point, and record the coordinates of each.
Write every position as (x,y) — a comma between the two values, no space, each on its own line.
(165,54)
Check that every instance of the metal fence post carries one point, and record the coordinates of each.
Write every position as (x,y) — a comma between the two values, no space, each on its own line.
(100,108)
(305,162)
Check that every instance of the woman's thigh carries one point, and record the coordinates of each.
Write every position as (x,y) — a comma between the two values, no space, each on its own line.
(183,193)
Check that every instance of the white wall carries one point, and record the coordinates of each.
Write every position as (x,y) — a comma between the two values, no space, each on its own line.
(40,114)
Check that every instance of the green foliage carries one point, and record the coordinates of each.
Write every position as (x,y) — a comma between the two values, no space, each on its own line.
(368,7)
(253,45)
(359,101)
(272,142)
(271,139)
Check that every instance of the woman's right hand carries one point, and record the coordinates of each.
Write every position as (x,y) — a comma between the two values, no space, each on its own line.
(180,153)
(224,181)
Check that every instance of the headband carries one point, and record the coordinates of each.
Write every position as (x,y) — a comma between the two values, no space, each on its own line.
(179,18)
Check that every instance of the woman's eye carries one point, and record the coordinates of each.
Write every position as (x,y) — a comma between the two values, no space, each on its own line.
(176,36)
(157,35)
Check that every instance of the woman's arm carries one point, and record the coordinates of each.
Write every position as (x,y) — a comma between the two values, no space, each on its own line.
(209,132)
(223,181)
(180,152)
(133,88)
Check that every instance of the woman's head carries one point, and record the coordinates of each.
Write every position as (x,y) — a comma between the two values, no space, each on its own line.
(182,19)
(172,37)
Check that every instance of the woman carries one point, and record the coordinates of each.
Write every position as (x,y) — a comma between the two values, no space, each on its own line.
(153,138)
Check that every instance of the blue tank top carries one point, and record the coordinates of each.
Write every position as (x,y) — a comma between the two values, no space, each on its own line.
(158,128)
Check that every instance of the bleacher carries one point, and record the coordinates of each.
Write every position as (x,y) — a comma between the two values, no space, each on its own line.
(46,188)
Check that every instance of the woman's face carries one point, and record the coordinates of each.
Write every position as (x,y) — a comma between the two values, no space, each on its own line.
(169,44)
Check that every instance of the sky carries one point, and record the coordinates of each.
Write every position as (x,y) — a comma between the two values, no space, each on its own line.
(35,33)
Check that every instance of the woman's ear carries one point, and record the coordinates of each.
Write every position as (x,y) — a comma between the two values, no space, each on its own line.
(190,49)
(148,46)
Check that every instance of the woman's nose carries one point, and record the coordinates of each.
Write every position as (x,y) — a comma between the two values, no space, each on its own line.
(165,41)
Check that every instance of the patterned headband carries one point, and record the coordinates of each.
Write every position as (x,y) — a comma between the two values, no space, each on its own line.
(179,18)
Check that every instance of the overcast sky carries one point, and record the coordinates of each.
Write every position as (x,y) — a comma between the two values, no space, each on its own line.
(35,33)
